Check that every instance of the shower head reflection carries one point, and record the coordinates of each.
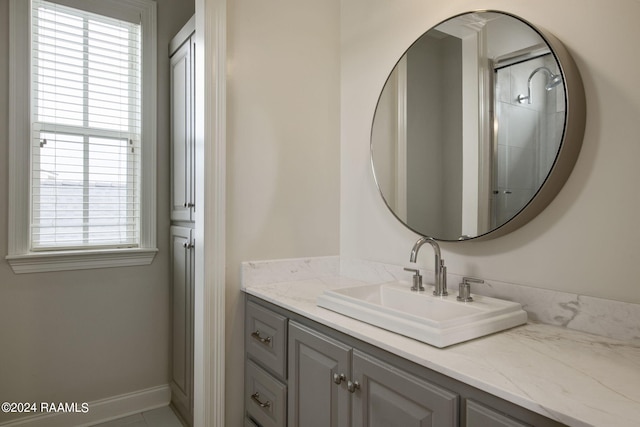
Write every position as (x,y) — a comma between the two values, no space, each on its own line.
(554,80)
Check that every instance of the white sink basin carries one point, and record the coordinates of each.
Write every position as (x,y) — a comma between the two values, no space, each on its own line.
(439,321)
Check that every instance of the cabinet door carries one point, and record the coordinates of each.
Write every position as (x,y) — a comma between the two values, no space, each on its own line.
(181,77)
(316,398)
(387,396)
(182,321)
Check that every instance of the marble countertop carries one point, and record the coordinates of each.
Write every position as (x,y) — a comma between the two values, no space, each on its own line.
(573,377)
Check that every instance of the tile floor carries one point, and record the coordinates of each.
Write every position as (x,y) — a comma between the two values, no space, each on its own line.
(161,417)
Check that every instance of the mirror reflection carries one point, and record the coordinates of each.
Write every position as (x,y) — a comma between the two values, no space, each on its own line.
(468,125)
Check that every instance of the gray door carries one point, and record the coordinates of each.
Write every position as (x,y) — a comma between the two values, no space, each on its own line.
(386,396)
(182,321)
(316,397)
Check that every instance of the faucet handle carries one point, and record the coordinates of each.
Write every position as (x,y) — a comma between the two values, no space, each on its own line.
(464,291)
(417,279)
(443,278)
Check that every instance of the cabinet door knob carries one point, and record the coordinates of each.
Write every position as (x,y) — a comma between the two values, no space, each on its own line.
(256,335)
(338,378)
(256,398)
(352,386)
(187,245)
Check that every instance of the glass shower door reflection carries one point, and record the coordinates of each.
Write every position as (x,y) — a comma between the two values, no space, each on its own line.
(526,135)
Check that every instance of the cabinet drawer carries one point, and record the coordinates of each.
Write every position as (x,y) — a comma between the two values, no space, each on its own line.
(266,338)
(265,397)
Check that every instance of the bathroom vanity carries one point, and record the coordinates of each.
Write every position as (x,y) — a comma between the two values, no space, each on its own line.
(301,373)
(306,366)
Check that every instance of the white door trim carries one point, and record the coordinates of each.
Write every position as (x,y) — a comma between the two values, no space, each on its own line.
(210,119)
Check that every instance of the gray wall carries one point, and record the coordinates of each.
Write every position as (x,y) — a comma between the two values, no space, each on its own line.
(92,334)
(425,131)
(434,136)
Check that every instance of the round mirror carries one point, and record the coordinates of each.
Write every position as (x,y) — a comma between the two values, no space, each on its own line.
(477,127)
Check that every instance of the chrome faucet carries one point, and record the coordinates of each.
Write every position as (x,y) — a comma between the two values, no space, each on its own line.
(440,269)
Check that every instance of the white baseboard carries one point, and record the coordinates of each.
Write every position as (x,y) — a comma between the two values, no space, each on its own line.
(100,411)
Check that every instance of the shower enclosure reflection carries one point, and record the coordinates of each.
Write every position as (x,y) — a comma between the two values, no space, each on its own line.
(527,130)
(468,125)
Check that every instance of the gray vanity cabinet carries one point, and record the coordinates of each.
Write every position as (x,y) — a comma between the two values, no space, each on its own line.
(300,373)
(332,384)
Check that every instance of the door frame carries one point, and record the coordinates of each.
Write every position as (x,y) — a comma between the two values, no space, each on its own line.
(210,246)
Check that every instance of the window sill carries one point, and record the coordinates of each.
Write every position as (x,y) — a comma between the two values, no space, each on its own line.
(39,262)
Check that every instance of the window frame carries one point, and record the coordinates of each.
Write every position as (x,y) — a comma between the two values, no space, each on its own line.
(20,256)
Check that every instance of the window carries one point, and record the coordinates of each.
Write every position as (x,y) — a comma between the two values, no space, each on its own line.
(85,129)
(85,140)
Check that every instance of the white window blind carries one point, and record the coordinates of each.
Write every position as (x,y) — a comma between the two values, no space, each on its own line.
(86,130)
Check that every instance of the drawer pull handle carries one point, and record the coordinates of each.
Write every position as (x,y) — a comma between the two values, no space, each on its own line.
(256,335)
(256,398)
(338,378)
(352,386)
